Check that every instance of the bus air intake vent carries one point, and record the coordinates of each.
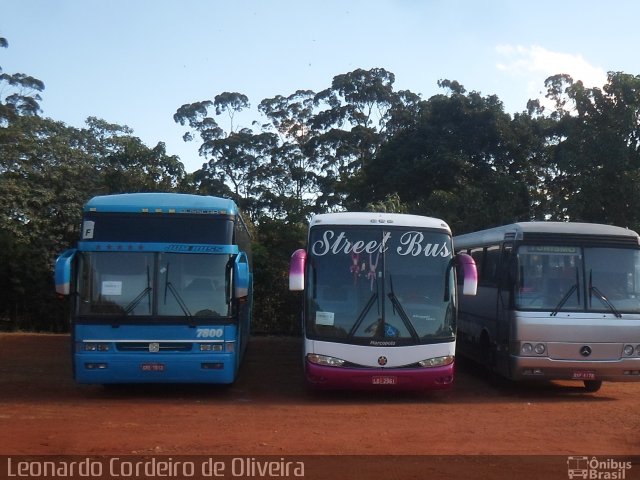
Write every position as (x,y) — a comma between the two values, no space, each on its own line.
(162,346)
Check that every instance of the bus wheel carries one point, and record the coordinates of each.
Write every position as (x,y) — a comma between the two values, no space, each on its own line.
(592,385)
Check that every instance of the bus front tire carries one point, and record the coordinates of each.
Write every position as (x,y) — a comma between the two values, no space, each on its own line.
(592,385)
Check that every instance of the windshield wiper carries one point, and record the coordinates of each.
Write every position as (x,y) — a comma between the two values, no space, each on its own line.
(363,314)
(134,303)
(403,315)
(147,291)
(168,286)
(601,296)
(563,300)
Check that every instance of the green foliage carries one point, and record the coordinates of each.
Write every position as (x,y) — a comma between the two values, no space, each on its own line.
(292,176)
(392,204)
(355,145)
(460,160)
(29,302)
(19,93)
(594,146)
(277,310)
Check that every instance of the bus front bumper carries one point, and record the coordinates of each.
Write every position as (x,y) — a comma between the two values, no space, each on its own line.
(157,368)
(409,379)
(545,368)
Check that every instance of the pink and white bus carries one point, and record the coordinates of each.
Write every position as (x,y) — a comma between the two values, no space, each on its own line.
(380,301)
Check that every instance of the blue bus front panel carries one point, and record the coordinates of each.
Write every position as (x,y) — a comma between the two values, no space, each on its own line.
(155,354)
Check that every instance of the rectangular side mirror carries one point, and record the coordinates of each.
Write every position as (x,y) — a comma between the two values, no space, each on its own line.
(62,272)
(242,276)
(470,273)
(296,270)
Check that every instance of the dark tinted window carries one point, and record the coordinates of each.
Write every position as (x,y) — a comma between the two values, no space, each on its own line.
(162,228)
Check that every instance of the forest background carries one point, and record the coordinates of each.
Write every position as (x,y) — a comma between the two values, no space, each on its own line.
(357,145)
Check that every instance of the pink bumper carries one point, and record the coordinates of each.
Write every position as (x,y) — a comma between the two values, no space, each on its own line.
(414,379)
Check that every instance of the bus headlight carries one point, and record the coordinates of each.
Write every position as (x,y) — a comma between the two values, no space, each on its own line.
(531,349)
(325,360)
(437,361)
(211,347)
(95,347)
(628,350)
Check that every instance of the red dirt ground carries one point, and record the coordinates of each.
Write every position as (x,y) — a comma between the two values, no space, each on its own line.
(268,411)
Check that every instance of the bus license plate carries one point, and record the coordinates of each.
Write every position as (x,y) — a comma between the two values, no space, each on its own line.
(152,367)
(583,375)
(384,380)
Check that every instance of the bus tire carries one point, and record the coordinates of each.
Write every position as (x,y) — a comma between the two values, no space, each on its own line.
(592,385)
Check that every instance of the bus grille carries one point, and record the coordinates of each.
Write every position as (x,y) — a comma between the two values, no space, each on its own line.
(163,346)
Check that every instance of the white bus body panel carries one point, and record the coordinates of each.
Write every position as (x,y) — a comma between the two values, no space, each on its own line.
(367,356)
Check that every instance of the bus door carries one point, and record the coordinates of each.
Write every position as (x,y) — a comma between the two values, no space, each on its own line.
(503,309)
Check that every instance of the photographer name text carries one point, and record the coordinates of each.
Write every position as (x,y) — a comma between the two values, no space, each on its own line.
(122,468)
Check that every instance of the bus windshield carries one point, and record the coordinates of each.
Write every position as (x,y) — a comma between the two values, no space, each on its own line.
(153,284)
(565,278)
(374,286)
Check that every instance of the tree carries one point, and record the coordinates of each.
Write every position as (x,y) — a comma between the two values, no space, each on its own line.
(594,150)
(45,178)
(241,159)
(236,161)
(292,180)
(350,131)
(459,161)
(19,93)
(47,172)
(276,308)
(391,204)
(126,165)
(231,103)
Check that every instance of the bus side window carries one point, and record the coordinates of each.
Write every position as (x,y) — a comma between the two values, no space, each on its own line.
(478,256)
(507,275)
(490,268)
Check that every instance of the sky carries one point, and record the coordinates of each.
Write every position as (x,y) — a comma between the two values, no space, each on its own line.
(135,62)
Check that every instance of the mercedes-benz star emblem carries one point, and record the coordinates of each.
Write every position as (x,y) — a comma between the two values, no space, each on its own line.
(382,361)
(154,347)
(585,351)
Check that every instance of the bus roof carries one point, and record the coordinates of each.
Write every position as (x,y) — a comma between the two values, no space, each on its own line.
(161,203)
(518,231)
(377,218)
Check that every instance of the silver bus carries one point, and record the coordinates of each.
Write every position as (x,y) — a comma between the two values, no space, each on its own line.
(555,301)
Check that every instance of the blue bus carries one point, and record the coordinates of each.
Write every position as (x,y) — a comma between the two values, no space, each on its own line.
(160,287)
